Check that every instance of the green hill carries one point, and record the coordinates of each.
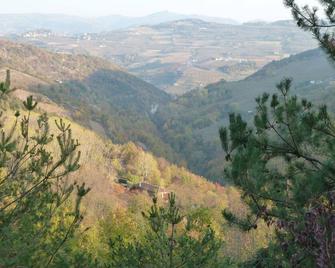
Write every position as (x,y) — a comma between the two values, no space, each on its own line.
(186,53)
(105,164)
(96,93)
(190,124)
(48,66)
(120,106)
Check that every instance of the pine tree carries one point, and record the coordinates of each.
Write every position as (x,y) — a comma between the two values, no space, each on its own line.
(320,24)
(171,241)
(284,165)
(36,215)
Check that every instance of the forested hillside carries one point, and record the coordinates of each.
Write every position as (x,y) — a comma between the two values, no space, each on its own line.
(190,123)
(95,92)
(124,108)
(113,174)
(101,169)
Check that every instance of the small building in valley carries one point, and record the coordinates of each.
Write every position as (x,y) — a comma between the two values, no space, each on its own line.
(151,189)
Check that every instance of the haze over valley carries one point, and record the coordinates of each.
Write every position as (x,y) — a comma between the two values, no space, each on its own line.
(168,139)
(176,78)
(182,55)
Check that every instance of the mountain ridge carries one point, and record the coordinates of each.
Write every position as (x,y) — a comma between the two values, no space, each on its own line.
(195,118)
(185,129)
(182,55)
(97,94)
(69,24)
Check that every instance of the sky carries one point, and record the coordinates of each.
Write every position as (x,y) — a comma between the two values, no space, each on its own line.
(241,10)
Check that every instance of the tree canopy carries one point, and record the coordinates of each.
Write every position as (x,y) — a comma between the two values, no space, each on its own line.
(320,23)
(284,164)
(37,216)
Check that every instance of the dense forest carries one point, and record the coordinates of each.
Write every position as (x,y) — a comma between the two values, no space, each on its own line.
(84,190)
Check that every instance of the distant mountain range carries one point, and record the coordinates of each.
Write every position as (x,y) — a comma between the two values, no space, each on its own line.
(181,55)
(65,24)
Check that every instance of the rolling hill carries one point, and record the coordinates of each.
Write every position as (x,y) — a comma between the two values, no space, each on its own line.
(49,67)
(66,24)
(96,93)
(183,55)
(190,124)
(104,163)
(183,130)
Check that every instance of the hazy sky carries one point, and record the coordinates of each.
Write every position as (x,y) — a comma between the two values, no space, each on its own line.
(242,10)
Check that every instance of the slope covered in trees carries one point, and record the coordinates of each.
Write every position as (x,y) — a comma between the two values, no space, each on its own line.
(283,162)
(94,92)
(190,123)
(36,212)
(112,210)
(283,166)
(183,130)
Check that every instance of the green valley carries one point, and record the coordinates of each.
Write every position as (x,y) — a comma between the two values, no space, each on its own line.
(168,140)
(184,130)
(183,55)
